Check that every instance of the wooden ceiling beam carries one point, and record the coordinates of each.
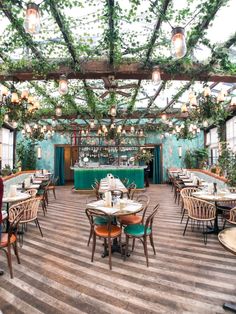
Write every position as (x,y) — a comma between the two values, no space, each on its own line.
(99,69)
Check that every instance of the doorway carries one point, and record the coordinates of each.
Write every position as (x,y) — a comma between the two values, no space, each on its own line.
(157,165)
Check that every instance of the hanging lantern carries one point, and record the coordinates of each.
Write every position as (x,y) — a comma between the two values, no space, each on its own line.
(112,126)
(63,85)
(31,100)
(113,111)
(39,152)
(178,43)
(14,98)
(32,19)
(36,105)
(99,132)
(191,95)
(82,132)
(132,129)
(207,91)
(193,101)
(233,101)
(44,128)
(156,75)
(103,127)
(119,128)
(184,108)
(24,95)
(58,112)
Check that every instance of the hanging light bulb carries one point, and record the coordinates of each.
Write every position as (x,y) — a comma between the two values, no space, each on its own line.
(24,95)
(163,117)
(191,95)
(113,111)
(31,100)
(233,101)
(184,108)
(14,124)
(132,129)
(124,132)
(141,133)
(112,126)
(193,101)
(58,112)
(6,117)
(119,128)
(92,124)
(156,75)
(4,90)
(207,91)
(103,127)
(178,43)
(63,85)
(82,132)
(32,18)
(14,98)
(99,132)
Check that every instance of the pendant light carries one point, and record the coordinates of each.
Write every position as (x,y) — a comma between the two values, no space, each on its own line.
(58,112)
(14,98)
(63,85)
(24,95)
(32,18)
(156,75)
(4,90)
(92,124)
(99,132)
(132,129)
(178,43)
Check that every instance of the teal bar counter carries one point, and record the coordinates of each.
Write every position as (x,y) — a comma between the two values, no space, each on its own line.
(85,177)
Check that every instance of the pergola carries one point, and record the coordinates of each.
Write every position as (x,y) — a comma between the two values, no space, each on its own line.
(107,50)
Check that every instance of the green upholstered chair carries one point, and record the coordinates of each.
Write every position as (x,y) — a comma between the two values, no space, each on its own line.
(141,232)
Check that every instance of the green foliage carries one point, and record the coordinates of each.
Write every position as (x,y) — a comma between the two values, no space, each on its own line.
(196,158)
(26,156)
(144,155)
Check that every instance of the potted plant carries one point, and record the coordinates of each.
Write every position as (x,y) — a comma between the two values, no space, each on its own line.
(144,156)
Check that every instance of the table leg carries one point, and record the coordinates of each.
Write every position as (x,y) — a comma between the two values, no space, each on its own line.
(215,229)
(115,248)
(230,306)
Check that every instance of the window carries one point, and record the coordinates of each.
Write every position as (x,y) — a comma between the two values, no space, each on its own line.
(212,143)
(6,151)
(231,133)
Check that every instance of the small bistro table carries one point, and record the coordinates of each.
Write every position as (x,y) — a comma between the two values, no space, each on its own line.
(215,198)
(131,207)
(227,238)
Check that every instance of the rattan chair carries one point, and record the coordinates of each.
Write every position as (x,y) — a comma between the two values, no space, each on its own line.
(232,217)
(186,192)
(52,186)
(30,213)
(141,232)
(201,212)
(131,190)
(107,231)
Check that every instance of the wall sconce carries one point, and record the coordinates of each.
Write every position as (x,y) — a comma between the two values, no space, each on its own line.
(180,151)
(39,152)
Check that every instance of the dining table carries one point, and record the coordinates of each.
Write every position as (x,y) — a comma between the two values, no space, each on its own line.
(125,207)
(105,186)
(227,238)
(215,198)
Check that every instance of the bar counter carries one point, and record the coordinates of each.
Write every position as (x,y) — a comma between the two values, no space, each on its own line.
(84,177)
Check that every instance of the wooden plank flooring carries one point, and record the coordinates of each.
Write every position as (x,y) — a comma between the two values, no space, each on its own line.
(56,275)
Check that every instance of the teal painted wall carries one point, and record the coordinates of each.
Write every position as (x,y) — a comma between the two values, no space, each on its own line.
(47,160)
(170,146)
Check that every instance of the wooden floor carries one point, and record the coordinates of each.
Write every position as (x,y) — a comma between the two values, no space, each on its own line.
(56,275)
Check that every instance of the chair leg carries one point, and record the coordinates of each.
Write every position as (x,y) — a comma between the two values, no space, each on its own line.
(16,251)
(38,225)
(54,193)
(9,261)
(126,246)
(94,246)
(133,244)
(90,236)
(224,224)
(109,251)
(152,243)
(186,226)
(204,233)
(145,250)
(183,213)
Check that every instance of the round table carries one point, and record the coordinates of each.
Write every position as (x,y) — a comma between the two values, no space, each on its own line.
(227,238)
(215,198)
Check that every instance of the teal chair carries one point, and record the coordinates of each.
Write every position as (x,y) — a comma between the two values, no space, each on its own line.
(141,232)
